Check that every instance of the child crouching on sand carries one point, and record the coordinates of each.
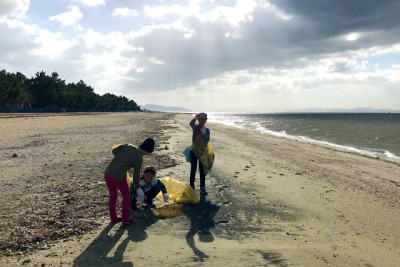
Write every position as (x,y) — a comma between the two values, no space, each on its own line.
(151,186)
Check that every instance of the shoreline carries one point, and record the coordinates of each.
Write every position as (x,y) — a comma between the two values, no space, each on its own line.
(271,201)
(360,161)
(338,147)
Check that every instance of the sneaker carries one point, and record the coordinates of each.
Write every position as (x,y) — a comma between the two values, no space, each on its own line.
(129,222)
(118,220)
(149,203)
(203,191)
(133,208)
(192,186)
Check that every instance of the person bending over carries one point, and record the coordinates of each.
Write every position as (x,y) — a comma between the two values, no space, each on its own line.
(126,156)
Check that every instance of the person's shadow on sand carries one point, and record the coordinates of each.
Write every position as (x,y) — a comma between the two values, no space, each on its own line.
(96,254)
(201,219)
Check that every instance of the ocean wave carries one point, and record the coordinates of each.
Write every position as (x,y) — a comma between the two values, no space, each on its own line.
(259,126)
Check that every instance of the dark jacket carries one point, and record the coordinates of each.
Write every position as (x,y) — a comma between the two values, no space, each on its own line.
(155,185)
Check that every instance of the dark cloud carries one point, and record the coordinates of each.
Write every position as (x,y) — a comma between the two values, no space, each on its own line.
(334,17)
(318,28)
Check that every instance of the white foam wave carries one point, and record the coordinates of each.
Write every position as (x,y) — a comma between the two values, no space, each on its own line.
(391,155)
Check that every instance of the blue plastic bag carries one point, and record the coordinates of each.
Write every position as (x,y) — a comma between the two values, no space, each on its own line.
(186,152)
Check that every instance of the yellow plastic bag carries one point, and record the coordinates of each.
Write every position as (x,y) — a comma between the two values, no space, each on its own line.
(129,179)
(115,145)
(169,211)
(206,155)
(179,192)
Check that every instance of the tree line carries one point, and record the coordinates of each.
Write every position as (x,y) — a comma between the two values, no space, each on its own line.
(49,93)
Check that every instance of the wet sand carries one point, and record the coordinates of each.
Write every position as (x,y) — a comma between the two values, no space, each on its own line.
(271,202)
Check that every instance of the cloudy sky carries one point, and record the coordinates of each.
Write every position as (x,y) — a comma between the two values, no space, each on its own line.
(243,55)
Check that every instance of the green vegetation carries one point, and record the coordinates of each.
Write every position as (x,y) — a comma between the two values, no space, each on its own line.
(44,93)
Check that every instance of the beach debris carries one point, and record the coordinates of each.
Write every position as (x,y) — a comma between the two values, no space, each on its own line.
(62,212)
(26,261)
(14,155)
(396,183)
(169,211)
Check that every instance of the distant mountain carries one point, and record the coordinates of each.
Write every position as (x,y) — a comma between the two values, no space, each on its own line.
(343,110)
(160,108)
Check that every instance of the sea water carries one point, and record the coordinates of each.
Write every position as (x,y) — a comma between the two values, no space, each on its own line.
(370,134)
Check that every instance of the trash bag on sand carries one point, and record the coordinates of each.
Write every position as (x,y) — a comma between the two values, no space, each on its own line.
(179,192)
(170,210)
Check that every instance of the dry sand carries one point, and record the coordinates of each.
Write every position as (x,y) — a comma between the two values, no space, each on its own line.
(271,202)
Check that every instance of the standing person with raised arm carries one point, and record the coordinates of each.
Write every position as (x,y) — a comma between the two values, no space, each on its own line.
(200,151)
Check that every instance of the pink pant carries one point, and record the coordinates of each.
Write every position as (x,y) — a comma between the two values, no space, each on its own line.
(113,186)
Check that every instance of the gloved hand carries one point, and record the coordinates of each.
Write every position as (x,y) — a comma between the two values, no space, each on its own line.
(140,195)
(203,130)
(166,197)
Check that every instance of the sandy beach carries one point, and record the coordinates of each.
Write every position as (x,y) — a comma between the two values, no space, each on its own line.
(271,202)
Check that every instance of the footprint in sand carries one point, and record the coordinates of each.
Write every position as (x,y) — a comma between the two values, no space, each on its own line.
(223,222)
(222,188)
(396,183)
